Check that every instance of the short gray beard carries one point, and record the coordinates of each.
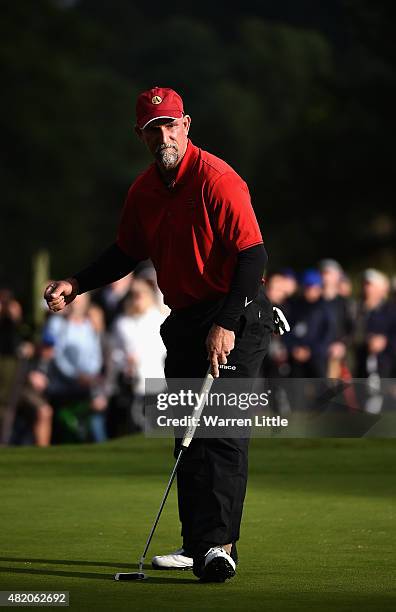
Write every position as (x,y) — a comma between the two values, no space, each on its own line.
(168,156)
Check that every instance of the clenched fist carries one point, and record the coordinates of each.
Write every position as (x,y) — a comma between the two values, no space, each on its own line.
(59,294)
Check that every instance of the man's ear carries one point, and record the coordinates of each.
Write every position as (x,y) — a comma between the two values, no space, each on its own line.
(138,132)
(186,123)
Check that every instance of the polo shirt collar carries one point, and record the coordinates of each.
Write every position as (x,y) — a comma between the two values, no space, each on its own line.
(187,163)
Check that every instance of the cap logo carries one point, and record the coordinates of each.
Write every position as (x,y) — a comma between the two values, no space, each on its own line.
(156,100)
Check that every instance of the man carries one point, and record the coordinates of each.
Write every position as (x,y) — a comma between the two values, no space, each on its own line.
(33,407)
(375,336)
(340,309)
(190,213)
(312,330)
(276,362)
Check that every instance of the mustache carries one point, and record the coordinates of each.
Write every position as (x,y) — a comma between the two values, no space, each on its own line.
(163,147)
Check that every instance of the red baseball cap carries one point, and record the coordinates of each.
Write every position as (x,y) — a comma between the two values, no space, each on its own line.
(158,103)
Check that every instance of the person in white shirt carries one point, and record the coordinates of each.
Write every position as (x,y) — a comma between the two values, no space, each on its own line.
(138,350)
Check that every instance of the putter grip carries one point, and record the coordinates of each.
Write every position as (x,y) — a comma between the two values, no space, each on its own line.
(190,430)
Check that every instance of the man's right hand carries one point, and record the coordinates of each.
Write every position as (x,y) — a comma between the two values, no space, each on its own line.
(219,344)
(59,294)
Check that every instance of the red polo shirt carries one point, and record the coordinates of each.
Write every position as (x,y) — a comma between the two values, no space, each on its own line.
(193,231)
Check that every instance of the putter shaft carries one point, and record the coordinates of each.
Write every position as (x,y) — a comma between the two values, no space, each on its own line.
(157,518)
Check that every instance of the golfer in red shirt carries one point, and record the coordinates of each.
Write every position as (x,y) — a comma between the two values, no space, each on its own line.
(191,214)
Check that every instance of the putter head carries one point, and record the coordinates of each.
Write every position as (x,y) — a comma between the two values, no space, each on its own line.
(130,576)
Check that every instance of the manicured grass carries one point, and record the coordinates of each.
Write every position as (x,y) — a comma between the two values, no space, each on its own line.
(318,531)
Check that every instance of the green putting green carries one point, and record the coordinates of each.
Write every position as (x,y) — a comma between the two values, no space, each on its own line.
(318,531)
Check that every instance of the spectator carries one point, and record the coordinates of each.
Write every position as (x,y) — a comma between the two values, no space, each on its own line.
(340,309)
(147,271)
(78,361)
(277,287)
(290,281)
(345,286)
(276,361)
(33,409)
(111,297)
(312,330)
(139,350)
(291,288)
(10,322)
(375,338)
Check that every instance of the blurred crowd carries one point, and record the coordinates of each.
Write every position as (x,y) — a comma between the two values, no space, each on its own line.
(84,380)
(334,333)
(85,377)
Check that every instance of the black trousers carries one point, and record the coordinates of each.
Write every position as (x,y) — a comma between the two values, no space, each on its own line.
(212,475)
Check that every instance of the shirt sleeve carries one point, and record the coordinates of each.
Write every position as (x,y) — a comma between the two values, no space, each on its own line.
(130,235)
(232,213)
(110,266)
(248,273)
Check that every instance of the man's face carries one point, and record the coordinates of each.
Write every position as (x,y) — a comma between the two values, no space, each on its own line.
(276,289)
(312,293)
(142,296)
(375,292)
(331,277)
(166,139)
(290,285)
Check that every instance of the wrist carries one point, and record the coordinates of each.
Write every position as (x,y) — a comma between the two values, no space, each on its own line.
(74,283)
(227,323)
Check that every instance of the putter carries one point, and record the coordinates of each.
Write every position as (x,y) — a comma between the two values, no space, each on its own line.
(187,438)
